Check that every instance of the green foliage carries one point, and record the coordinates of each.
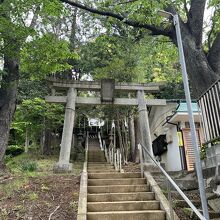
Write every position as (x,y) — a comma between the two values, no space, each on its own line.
(203,151)
(11,187)
(21,163)
(32,115)
(14,150)
(46,55)
(33,196)
(128,59)
(26,33)
(29,166)
(30,89)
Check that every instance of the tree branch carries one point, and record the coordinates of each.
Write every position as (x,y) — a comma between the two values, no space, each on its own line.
(35,17)
(125,2)
(195,19)
(154,30)
(185,8)
(214,54)
(210,34)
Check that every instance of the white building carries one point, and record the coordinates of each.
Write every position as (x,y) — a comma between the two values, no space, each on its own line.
(171,135)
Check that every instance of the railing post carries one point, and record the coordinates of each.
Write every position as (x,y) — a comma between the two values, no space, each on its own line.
(120,162)
(117,159)
(141,160)
(100,141)
(115,162)
(112,156)
(170,200)
(107,155)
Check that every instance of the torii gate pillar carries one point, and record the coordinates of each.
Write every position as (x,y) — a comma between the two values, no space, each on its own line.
(64,165)
(144,125)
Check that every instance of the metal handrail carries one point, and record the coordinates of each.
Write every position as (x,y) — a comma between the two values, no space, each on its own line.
(100,141)
(105,151)
(197,212)
(86,152)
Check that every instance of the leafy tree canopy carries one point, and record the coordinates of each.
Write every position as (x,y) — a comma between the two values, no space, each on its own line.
(46,55)
(33,115)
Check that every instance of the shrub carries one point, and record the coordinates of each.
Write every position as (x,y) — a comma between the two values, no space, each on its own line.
(29,166)
(14,150)
(203,151)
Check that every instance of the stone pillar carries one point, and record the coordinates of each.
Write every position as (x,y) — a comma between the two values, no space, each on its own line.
(144,125)
(63,165)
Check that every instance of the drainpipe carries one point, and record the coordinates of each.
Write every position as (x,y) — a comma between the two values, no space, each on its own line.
(170,116)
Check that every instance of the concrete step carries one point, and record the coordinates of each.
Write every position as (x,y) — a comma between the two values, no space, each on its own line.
(110,197)
(124,181)
(96,160)
(127,215)
(99,164)
(113,176)
(100,167)
(122,206)
(95,154)
(118,188)
(102,171)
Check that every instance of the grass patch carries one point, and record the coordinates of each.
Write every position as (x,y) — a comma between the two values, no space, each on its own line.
(29,166)
(32,196)
(17,164)
(14,185)
(46,164)
(77,168)
(74,205)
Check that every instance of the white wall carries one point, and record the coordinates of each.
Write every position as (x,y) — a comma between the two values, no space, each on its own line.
(172,158)
(157,118)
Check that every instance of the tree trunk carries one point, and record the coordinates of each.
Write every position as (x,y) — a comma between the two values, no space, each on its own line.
(132,137)
(27,140)
(8,95)
(47,142)
(120,138)
(201,75)
(125,138)
(42,139)
(137,139)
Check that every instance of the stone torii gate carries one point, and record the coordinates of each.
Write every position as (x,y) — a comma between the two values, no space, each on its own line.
(107,90)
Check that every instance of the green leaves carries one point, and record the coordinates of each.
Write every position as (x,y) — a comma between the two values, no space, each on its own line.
(52,8)
(46,55)
(33,115)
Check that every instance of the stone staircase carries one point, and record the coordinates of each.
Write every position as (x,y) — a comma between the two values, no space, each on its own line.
(117,196)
